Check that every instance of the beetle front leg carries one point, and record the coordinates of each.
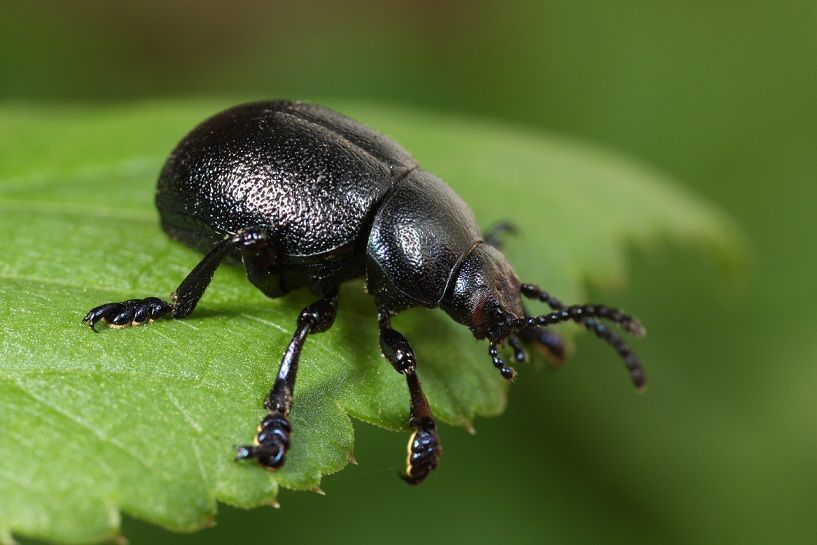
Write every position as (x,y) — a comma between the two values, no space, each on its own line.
(548,343)
(424,448)
(252,240)
(272,437)
(494,234)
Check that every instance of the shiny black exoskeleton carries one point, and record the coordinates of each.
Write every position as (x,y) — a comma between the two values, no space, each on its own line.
(305,197)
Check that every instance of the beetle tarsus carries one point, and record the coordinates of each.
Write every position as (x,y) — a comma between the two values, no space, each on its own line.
(127,313)
(271,443)
(424,451)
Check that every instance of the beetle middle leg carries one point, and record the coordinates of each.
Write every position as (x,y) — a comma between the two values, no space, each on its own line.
(424,448)
(253,240)
(273,434)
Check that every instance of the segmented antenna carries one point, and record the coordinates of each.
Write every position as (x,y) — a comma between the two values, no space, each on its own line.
(589,316)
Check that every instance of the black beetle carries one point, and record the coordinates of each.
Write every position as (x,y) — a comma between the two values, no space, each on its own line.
(305,197)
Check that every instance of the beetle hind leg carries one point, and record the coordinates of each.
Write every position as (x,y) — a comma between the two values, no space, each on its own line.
(548,343)
(252,240)
(272,437)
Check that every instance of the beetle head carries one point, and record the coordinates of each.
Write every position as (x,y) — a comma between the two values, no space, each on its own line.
(485,295)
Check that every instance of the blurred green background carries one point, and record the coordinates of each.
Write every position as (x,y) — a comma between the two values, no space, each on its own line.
(722,95)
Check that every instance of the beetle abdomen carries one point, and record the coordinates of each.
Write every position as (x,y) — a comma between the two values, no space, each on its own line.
(421,233)
(308,174)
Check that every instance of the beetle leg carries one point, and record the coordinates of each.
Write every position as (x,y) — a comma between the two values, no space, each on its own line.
(273,435)
(424,448)
(493,235)
(187,295)
(546,342)
(132,312)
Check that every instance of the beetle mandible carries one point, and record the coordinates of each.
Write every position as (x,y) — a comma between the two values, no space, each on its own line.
(305,197)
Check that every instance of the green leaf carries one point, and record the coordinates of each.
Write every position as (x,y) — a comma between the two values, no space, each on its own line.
(144,420)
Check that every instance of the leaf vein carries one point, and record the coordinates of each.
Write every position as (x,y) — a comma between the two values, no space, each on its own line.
(82,424)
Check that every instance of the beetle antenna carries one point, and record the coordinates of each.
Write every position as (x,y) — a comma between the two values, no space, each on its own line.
(580,314)
(588,316)
(630,358)
(577,312)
